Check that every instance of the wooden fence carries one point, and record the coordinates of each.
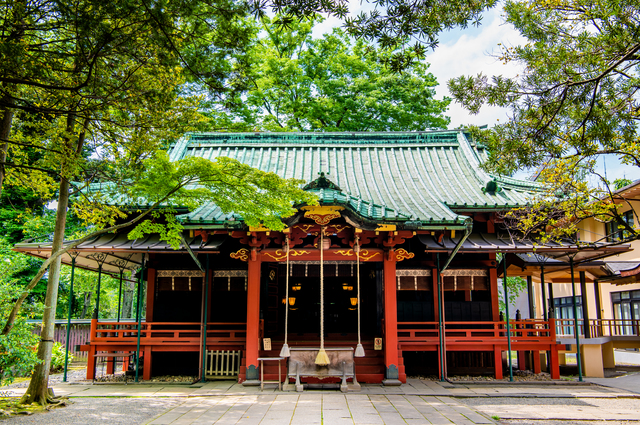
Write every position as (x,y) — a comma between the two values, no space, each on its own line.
(79,335)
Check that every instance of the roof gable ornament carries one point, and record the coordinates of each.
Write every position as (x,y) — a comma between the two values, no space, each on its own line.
(492,187)
(322,183)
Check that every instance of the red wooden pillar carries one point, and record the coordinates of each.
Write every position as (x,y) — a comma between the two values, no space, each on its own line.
(253,320)
(151,289)
(554,364)
(536,361)
(146,372)
(91,355)
(497,356)
(521,359)
(493,286)
(434,280)
(91,362)
(390,320)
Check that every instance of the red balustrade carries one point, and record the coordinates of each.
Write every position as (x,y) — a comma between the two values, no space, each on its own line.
(165,333)
(524,331)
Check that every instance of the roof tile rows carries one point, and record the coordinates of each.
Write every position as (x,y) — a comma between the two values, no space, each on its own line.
(427,177)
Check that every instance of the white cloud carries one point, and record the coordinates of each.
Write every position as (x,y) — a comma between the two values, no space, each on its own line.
(460,52)
(465,52)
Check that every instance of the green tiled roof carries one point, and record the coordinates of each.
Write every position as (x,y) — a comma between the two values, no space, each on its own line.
(426,177)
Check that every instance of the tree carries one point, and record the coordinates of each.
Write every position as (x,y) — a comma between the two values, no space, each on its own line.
(292,86)
(87,78)
(17,356)
(576,100)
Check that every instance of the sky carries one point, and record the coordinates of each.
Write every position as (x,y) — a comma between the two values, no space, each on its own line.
(472,51)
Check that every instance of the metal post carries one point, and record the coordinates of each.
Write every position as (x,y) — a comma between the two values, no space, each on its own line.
(139,320)
(66,345)
(575,322)
(440,324)
(545,311)
(506,303)
(544,294)
(551,305)
(531,298)
(120,295)
(206,304)
(97,310)
(585,305)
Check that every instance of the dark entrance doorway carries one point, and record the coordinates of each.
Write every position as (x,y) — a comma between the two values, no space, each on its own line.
(340,299)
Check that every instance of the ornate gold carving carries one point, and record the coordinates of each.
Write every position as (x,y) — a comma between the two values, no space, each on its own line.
(322,219)
(364,253)
(339,228)
(280,254)
(242,255)
(304,227)
(322,215)
(345,252)
(402,254)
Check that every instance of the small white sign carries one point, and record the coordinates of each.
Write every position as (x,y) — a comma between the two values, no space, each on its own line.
(266,342)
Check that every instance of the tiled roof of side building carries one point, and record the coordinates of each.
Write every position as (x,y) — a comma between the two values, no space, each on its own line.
(429,177)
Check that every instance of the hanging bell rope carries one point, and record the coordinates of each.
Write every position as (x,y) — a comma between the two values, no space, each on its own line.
(322,359)
(359,348)
(284,352)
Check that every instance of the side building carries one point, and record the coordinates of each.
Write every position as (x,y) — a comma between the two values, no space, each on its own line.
(604,294)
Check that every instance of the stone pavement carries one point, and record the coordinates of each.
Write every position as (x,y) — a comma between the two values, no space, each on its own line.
(555,389)
(629,382)
(308,408)
(417,402)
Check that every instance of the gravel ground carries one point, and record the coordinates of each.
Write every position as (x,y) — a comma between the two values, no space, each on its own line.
(532,422)
(603,403)
(78,375)
(73,375)
(569,405)
(108,410)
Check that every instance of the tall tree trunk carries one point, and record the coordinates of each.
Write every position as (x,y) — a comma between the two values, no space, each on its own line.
(38,391)
(127,300)
(86,304)
(5,130)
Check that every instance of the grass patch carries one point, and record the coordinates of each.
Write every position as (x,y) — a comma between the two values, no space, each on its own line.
(495,417)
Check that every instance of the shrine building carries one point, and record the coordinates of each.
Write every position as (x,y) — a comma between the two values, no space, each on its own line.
(399,262)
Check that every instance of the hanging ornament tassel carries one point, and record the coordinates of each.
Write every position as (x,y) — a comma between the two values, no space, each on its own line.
(284,352)
(359,348)
(322,359)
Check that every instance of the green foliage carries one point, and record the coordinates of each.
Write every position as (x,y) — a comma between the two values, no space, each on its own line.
(293,87)
(57,357)
(575,100)
(17,348)
(620,183)
(515,287)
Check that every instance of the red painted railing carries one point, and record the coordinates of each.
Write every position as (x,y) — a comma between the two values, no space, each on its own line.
(599,327)
(478,332)
(166,333)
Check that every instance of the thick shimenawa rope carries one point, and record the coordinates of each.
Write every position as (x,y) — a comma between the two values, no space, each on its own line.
(322,359)
(284,352)
(359,348)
